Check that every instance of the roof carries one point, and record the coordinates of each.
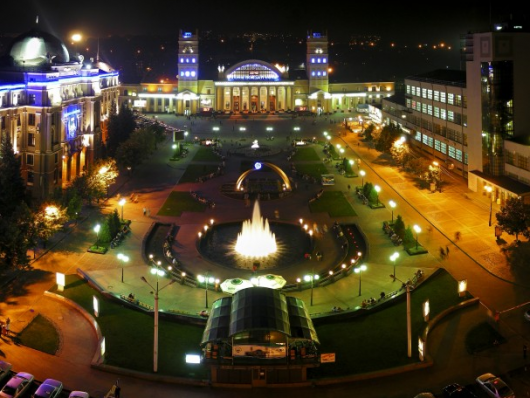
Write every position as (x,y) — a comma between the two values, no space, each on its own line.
(449,77)
(505,182)
(398,99)
(258,308)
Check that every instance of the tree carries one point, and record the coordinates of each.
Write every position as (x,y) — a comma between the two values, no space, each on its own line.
(513,218)
(408,238)
(368,132)
(74,207)
(48,220)
(120,127)
(12,187)
(387,137)
(367,189)
(399,227)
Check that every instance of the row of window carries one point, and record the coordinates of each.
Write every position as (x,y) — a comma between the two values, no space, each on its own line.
(441,147)
(188,60)
(439,96)
(517,160)
(319,73)
(440,113)
(319,60)
(188,73)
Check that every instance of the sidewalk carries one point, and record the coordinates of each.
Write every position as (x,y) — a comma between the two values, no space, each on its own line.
(475,258)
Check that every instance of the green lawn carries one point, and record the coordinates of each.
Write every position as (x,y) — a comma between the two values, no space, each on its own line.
(40,335)
(334,203)
(194,171)
(206,154)
(363,344)
(177,202)
(305,154)
(379,341)
(312,169)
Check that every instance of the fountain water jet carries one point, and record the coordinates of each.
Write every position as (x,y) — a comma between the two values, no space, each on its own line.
(255,239)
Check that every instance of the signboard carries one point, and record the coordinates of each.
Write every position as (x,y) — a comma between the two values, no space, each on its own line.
(327,358)
(259,351)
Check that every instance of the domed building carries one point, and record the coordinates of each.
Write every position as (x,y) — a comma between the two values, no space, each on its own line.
(52,106)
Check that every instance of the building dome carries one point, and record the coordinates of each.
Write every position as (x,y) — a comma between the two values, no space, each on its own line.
(36,48)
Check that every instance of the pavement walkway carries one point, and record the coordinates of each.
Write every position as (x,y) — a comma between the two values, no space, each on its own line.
(476,257)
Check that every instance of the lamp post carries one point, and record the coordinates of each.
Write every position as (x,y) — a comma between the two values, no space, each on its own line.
(359,270)
(409,323)
(437,165)
(186,137)
(377,189)
(124,259)
(158,272)
(311,278)
(205,280)
(392,205)
(122,203)
(362,173)
(418,230)
(96,230)
(489,190)
(393,258)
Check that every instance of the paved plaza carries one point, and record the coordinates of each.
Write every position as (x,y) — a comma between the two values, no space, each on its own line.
(476,257)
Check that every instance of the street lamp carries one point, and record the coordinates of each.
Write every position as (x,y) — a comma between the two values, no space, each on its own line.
(125,259)
(158,273)
(392,205)
(437,165)
(205,280)
(359,270)
(362,173)
(377,189)
(96,230)
(121,203)
(311,278)
(409,323)
(490,189)
(393,258)
(418,230)
(186,137)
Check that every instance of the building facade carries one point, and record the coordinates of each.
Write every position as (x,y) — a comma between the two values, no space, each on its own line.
(253,86)
(475,121)
(52,107)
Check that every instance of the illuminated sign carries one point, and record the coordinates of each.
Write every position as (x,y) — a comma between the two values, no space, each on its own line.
(186,35)
(71,121)
(139,103)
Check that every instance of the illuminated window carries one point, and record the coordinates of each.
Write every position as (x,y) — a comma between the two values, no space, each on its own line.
(450,99)
(417,137)
(193,73)
(313,73)
(443,114)
(452,152)
(312,60)
(319,73)
(437,96)
(31,139)
(443,148)
(429,94)
(193,60)
(324,60)
(436,112)
(187,74)
(182,60)
(424,93)
(182,73)
(31,119)
(324,73)
(319,60)
(429,110)
(451,116)
(442,97)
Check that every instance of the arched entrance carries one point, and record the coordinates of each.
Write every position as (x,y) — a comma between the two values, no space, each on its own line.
(257,166)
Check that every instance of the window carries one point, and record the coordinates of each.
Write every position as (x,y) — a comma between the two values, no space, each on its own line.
(409,103)
(30,177)
(408,89)
(451,99)
(443,148)
(522,162)
(417,137)
(451,116)
(413,90)
(30,159)
(459,155)
(424,93)
(423,108)
(437,145)
(429,110)
(429,94)
(442,97)
(452,152)
(437,96)
(436,112)
(443,114)
(31,139)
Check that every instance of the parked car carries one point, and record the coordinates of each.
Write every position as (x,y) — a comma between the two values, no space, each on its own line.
(50,388)
(456,390)
(17,385)
(5,369)
(494,386)
(79,394)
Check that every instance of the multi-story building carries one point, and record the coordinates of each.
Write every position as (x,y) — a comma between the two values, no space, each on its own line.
(253,86)
(52,106)
(475,120)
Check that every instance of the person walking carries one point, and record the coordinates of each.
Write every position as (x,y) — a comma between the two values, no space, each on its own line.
(442,253)
(145,211)
(447,251)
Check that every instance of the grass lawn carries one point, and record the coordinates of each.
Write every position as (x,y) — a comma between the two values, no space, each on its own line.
(206,154)
(129,335)
(334,203)
(367,343)
(194,171)
(40,335)
(379,341)
(305,154)
(312,169)
(177,202)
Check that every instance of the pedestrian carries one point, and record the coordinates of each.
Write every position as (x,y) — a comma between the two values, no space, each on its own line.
(349,187)
(457,236)
(442,253)
(524,351)
(447,251)
(145,211)
(4,333)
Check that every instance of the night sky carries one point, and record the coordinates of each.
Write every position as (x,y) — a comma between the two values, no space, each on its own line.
(400,21)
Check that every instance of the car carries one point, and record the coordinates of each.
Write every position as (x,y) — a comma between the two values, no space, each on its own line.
(494,386)
(425,395)
(79,394)
(527,315)
(456,390)
(5,369)
(50,388)
(17,385)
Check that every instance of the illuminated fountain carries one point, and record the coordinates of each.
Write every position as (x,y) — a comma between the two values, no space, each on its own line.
(255,239)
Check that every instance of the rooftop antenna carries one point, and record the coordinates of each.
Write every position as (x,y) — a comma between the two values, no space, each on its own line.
(97,54)
(37,20)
